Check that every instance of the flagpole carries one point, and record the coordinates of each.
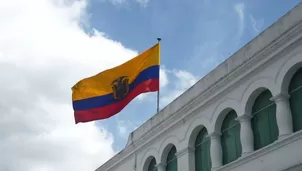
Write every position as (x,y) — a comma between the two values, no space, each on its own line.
(158,41)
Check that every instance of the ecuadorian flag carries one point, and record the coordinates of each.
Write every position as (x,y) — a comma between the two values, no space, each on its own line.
(107,93)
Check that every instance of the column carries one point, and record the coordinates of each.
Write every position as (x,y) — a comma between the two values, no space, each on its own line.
(161,167)
(185,159)
(215,150)
(283,115)
(246,134)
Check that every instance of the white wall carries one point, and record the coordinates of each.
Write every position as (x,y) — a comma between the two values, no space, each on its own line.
(280,155)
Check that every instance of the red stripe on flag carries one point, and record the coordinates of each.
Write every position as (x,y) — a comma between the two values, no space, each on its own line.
(112,109)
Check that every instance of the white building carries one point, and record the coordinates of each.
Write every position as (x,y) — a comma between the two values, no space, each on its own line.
(246,115)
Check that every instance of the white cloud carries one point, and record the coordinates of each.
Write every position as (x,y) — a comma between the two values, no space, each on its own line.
(186,79)
(239,8)
(163,77)
(256,24)
(117,2)
(43,53)
(181,80)
(125,127)
(172,84)
(143,3)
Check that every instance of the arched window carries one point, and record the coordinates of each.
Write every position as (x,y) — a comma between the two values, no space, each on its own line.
(295,100)
(152,165)
(264,122)
(171,160)
(230,138)
(202,151)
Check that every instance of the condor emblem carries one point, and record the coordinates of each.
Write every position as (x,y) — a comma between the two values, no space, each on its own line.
(120,87)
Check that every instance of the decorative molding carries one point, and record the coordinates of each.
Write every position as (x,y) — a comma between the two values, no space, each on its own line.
(280,97)
(185,151)
(281,137)
(160,165)
(244,118)
(265,150)
(245,154)
(219,88)
(150,151)
(214,135)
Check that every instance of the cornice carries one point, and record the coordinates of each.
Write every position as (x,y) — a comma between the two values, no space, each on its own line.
(244,118)
(185,151)
(265,150)
(280,97)
(218,88)
(214,135)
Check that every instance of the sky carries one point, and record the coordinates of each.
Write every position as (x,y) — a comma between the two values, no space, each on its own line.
(46,46)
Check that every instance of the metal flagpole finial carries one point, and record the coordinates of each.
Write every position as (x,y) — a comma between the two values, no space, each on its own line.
(159,39)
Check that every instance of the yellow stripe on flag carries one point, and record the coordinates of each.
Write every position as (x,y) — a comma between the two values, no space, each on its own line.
(100,84)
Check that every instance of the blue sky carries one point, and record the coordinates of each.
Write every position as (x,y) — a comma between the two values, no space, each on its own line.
(196,35)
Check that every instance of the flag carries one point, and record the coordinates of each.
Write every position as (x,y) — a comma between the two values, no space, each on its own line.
(107,93)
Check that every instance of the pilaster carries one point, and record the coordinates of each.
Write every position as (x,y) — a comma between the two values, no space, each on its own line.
(283,115)
(246,134)
(161,167)
(185,159)
(215,150)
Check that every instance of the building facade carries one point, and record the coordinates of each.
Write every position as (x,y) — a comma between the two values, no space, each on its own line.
(245,115)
